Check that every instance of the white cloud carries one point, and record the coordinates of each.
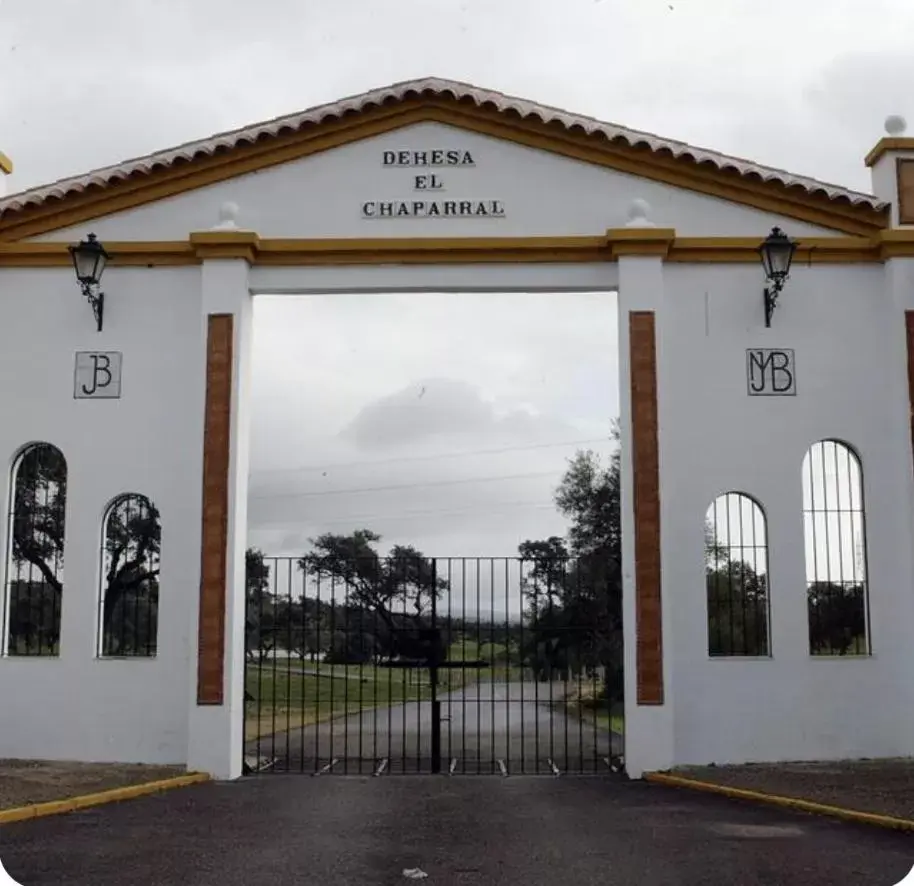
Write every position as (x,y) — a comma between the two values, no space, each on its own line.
(467,405)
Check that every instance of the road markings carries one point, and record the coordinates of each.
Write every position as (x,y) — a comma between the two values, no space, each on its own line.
(381,766)
(453,766)
(502,767)
(553,767)
(324,769)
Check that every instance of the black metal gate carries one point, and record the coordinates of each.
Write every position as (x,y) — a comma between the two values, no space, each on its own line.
(422,665)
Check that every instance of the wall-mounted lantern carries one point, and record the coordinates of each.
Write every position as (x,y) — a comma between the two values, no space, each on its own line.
(89,260)
(777,254)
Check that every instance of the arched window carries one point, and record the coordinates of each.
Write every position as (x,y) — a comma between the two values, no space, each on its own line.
(34,569)
(129,600)
(736,569)
(836,586)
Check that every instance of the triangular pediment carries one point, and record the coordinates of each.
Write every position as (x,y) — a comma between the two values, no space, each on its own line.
(372,121)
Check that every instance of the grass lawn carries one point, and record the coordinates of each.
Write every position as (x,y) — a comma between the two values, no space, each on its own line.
(296,694)
(586,704)
(291,698)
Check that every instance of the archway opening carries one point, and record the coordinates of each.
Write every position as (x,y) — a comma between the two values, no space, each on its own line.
(434,540)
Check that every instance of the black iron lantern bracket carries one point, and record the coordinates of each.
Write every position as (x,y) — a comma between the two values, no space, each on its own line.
(776,253)
(96,301)
(772,291)
(89,261)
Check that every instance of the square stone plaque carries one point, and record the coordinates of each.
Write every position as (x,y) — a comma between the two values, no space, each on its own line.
(97,375)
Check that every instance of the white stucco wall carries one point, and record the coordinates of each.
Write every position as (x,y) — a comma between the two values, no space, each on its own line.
(844,323)
(150,441)
(848,337)
(543,195)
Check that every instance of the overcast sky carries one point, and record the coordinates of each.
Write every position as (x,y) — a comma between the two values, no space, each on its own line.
(381,394)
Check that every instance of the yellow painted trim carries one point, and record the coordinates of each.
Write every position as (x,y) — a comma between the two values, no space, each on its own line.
(606,247)
(6,165)
(125,253)
(889,143)
(682,172)
(640,241)
(897,243)
(852,815)
(57,807)
(810,250)
(225,244)
(431,250)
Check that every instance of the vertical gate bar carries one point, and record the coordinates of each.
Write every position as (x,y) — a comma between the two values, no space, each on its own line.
(361,648)
(332,752)
(536,671)
(417,675)
(463,657)
(390,671)
(492,656)
(447,654)
(523,664)
(508,681)
(584,639)
(551,624)
(598,679)
(479,655)
(306,647)
(390,578)
(255,656)
(271,651)
(287,616)
(433,675)
(317,679)
(567,662)
(375,654)
(347,646)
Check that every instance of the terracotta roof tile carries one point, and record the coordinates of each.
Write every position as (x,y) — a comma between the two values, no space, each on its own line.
(434,87)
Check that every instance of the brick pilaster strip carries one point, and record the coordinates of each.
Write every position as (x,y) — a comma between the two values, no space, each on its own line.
(214,539)
(646,465)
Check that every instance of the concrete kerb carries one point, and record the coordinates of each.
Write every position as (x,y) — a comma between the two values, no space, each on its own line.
(100,798)
(793,803)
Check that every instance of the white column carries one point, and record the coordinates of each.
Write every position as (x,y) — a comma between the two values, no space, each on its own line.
(216,740)
(648,728)
(883,160)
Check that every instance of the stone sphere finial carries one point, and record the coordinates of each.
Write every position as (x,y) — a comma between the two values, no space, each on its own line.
(228,217)
(639,214)
(895,125)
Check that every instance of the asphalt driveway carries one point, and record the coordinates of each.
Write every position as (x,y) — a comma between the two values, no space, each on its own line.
(272,830)
(483,725)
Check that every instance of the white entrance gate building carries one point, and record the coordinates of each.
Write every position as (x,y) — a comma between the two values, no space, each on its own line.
(434,186)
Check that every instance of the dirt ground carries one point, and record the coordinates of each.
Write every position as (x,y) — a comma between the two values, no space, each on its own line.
(884,787)
(23,782)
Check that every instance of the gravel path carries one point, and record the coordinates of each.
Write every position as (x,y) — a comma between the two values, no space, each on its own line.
(885,787)
(23,782)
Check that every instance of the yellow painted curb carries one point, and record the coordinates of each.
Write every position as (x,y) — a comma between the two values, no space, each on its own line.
(57,807)
(882,821)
